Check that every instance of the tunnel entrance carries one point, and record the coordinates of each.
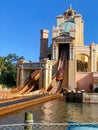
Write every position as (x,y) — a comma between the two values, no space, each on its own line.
(64,47)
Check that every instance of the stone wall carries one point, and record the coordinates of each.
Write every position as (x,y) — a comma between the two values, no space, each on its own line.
(84,79)
(90,97)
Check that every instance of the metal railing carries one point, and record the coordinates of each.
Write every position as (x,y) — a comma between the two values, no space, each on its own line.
(50,126)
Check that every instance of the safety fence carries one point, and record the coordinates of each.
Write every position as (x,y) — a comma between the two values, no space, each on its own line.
(50,126)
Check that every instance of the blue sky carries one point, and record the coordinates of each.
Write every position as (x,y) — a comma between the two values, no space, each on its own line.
(21,21)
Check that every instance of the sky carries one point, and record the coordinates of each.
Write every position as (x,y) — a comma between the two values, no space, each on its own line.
(22,20)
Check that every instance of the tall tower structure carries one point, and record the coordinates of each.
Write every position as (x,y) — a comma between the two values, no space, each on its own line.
(43,43)
(66,36)
(67,52)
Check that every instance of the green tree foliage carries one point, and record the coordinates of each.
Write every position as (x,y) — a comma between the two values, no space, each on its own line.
(2,64)
(8,69)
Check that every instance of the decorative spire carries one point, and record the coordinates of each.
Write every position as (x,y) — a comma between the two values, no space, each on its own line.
(70,13)
(70,6)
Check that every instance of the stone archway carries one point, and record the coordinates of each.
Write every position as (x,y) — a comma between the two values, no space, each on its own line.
(83,63)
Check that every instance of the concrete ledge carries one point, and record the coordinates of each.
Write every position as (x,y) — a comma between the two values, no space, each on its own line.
(15,107)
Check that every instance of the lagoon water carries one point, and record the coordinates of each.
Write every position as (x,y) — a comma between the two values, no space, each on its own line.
(55,111)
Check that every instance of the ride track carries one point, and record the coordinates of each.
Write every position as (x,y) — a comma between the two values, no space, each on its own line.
(28,88)
(28,101)
(58,77)
(30,84)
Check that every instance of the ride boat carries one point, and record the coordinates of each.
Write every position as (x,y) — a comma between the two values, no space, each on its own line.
(60,74)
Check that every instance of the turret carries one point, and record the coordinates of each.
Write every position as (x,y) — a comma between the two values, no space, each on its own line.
(43,43)
(70,24)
